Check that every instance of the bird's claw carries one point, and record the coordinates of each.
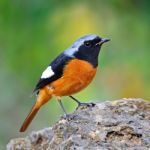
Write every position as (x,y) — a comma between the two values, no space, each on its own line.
(86,104)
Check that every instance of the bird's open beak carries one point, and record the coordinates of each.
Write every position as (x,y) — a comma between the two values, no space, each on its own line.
(103,40)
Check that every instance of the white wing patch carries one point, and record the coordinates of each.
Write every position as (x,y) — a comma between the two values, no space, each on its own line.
(48,72)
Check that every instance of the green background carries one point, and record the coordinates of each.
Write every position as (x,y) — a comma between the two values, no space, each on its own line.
(34,32)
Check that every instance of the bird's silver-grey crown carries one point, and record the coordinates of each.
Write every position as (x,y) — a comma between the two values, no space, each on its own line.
(75,46)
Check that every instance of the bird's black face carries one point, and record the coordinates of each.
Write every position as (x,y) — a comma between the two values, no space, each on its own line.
(89,50)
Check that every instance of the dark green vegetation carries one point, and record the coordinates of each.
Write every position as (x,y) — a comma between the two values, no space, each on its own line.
(33,32)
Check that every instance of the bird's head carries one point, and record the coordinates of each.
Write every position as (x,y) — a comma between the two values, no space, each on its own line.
(87,48)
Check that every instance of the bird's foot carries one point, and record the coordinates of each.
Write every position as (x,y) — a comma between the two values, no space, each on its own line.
(85,104)
(82,104)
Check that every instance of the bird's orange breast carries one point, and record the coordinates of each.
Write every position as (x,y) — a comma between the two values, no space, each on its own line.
(77,75)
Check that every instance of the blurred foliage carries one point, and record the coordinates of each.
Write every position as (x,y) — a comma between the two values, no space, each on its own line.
(33,32)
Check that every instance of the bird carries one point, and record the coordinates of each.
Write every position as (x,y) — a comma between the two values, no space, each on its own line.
(69,73)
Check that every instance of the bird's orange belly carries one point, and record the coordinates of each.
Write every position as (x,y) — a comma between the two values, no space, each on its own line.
(76,76)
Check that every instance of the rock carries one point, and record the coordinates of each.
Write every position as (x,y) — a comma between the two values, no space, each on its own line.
(122,124)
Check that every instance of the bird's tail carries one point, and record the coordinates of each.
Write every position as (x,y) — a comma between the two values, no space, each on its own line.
(43,97)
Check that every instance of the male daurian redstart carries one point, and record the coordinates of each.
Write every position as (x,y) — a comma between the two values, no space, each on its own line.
(68,73)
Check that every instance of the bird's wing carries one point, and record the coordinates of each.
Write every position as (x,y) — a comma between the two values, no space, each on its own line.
(53,71)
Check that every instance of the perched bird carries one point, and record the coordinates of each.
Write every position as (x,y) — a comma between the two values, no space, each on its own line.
(68,73)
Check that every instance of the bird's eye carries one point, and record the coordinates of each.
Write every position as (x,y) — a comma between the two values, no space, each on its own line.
(87,44)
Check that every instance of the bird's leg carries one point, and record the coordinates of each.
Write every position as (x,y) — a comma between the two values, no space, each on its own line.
(81,103)
(61,105)
(67,116)
(77,101)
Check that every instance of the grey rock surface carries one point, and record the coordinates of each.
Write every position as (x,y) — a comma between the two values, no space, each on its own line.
(119,125)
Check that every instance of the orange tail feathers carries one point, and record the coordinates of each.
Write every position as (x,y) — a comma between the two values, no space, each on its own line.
(43,97)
